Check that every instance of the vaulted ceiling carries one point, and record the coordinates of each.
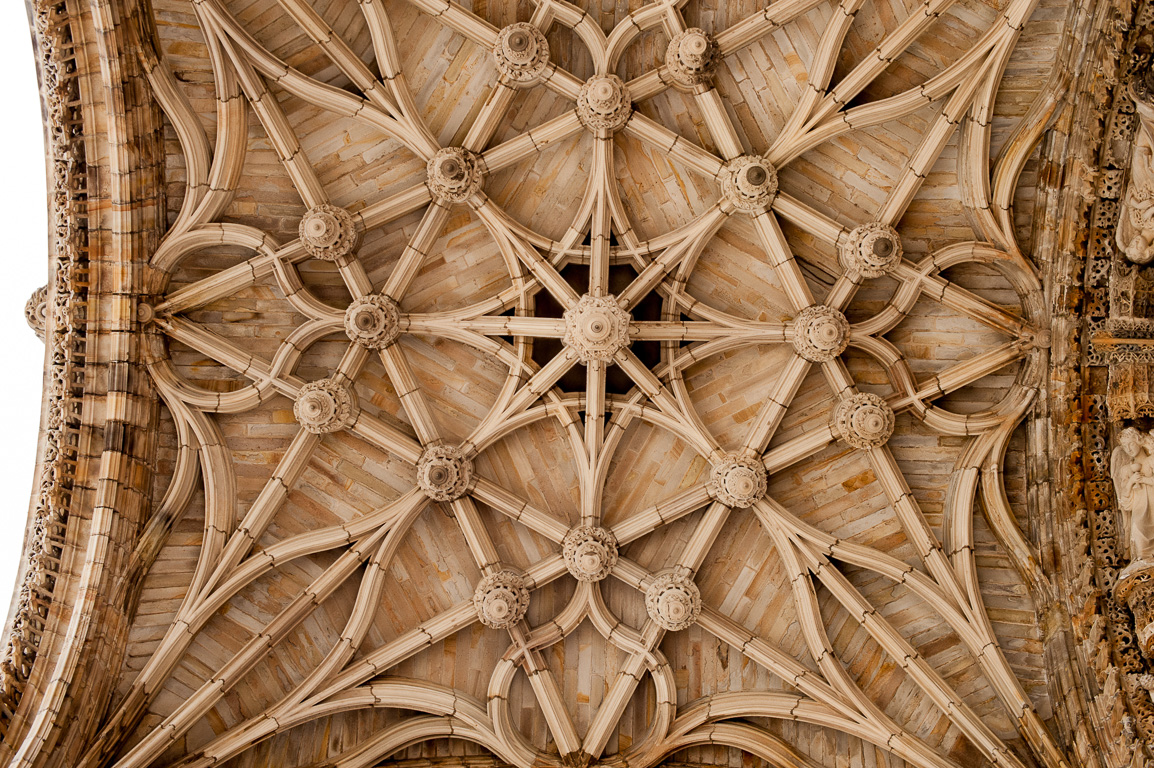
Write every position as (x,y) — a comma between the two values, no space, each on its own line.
(579,383)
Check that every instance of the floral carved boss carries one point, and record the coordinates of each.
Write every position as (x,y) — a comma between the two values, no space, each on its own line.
(540,369)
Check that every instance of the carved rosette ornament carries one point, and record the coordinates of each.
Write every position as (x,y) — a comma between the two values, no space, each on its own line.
(521,53)
(444,472)
(328,232)
(36,311)
(1135,589)
(590,552)
(749,183)
(871,250)
(691,58)
(373,321)
(596,328)
(737,482)
(325,406)
(820,333)
(864,420)
(673,601)
(454,175)
(501,599)
(603,104)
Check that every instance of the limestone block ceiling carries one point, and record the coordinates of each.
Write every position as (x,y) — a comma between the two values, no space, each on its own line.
(587,383)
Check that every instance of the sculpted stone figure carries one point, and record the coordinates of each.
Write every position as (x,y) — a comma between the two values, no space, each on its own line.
(1136,223)
(1132,468)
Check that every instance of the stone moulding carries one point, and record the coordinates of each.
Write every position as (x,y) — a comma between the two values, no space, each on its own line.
(67,298)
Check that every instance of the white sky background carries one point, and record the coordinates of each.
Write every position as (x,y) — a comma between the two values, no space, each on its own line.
(24,196)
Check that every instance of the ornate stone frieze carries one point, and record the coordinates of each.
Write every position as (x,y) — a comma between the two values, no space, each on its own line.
(444,472)
(864,420)
(590,552)
(596,328)
(328,232)
(373,321)
(36,311)
(454,175)
(749,183)
(691,58)
(501,599)
(820,333)
(1136,222)
(737,482)
(872,250)
(521,53)
(603,104)
(673,601)
(325,406)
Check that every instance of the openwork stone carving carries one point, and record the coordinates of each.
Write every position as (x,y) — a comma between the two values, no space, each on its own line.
(373,321)
(1132,470)
(1135,589)
(501,599)
(864,420)
(596,328)
(36,311)
(603,104)
(691,58)
(872,250)
(820,333)
(522,53)
(590,552)
(737,482)
(1135,234)
(454,175)
(673,601)
(325,406)
(444,472)
(328,232)
(749,183)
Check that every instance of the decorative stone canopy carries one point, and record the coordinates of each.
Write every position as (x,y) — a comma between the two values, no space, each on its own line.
(444,472)
(691,58)
(603,104)
(737,482)
(749,183)
(872,250)
(501,599)
(373,321)
(820,333)
(521,53)
(673,601)
(36,311)
(596,328)
(864,420)
(454,175)
(328,232)
(325,406)
(590,552)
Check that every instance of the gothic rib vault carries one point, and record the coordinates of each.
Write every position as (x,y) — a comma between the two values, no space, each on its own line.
(562,383)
